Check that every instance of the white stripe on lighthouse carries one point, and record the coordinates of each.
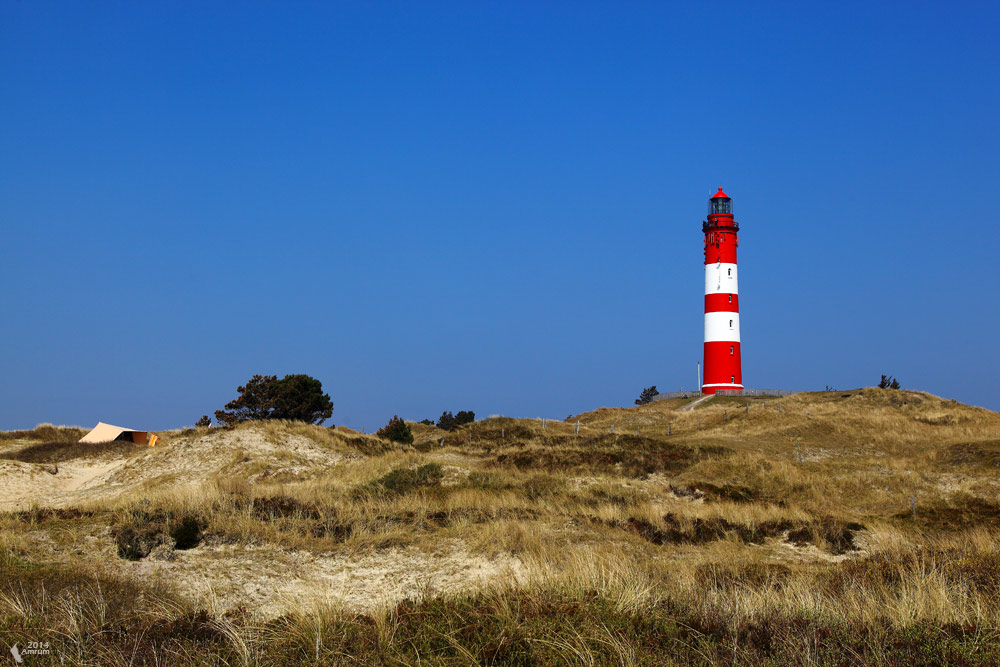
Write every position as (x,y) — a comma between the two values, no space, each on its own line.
(722,326)
(720,279)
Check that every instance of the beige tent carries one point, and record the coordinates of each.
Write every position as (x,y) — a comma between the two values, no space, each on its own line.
(107,433)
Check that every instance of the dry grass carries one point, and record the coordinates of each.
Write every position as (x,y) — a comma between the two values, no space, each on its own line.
(47,433)
(58,452)
(782,535)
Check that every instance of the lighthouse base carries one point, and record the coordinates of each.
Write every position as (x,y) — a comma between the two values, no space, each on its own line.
(712,388)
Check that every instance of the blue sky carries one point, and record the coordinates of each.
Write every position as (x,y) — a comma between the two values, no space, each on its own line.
(487,206)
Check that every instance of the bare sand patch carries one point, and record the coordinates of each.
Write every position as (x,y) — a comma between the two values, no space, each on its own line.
(270,581)
(25,484)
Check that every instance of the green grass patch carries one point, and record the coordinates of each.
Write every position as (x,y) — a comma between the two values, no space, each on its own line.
(400,481)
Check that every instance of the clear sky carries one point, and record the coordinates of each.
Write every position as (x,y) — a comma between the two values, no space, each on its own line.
(487,206)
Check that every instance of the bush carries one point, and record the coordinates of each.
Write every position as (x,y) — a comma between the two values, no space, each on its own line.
(295,397)
(888,382)
(647,395)
(450,422)
(447,421)
(427,422)
(204,421)
(400,481)
(396,430)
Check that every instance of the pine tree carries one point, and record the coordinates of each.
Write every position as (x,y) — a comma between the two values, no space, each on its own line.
(647,395)
(295,397)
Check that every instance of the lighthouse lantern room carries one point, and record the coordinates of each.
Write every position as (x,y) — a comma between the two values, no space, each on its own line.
(722,304)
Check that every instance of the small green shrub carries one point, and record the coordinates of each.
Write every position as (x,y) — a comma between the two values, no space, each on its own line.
(541,486)
(396,430)
(400,481)
(488,481)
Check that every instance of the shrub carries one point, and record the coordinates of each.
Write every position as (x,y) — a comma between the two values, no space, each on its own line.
(204,421)
(647,395)
(447,421)
(888,382)
(450,422)
(427,422)
(396,430)
(399,481)
(488,481)
(295,397)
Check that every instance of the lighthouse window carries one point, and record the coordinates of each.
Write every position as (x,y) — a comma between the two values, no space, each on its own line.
(730,298)
(720,205)
(730,324)
(732,379)
(730,349)
(729,272)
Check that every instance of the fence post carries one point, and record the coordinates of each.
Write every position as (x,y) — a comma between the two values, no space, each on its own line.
(725,417)
(577,428)
(913,506)
(669,428)
(699,423)
(612,427)
(748,407)
(543,423)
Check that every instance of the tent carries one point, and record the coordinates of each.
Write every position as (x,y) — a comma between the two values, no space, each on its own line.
(107,433)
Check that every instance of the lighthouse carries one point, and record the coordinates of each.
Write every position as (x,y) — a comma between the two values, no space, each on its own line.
(722,298)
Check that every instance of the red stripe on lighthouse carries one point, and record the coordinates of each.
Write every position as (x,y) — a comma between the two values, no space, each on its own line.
(720,247)
(722,366)
(715,303)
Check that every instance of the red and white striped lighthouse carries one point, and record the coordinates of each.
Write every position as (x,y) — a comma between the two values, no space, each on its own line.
(722,298)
